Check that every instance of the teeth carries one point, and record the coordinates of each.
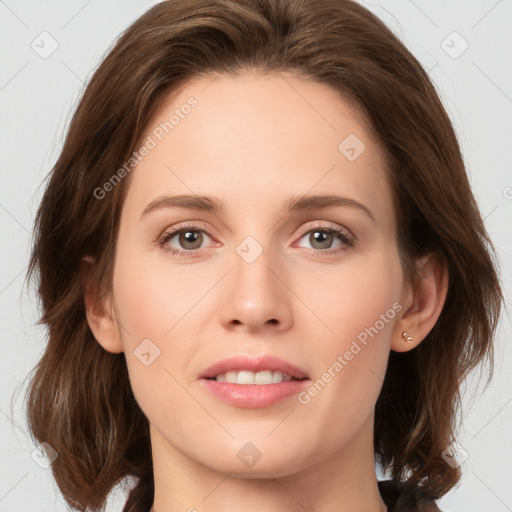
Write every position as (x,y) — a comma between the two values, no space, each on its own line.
(258,378)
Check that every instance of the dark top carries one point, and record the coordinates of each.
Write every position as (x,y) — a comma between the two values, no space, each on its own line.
(398,499)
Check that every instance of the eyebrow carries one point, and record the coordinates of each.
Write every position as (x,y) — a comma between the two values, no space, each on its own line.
(291,204)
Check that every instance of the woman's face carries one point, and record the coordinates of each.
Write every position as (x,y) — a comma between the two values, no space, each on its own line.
(319,287)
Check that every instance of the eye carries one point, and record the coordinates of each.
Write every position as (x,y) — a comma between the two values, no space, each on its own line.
(189,237)
(321,239)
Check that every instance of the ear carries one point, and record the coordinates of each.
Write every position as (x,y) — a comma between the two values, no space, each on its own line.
(100,314)
(423,302)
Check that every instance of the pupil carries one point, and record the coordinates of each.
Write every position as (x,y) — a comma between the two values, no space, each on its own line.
(189,237)
(319,235)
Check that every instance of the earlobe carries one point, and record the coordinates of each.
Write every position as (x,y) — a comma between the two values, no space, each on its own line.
(100,314)
(426,301)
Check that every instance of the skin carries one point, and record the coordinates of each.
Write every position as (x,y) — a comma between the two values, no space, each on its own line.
(253,140)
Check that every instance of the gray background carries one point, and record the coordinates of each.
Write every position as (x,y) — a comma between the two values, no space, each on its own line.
(38,96)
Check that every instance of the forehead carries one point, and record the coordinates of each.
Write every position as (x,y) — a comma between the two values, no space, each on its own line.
(256,138)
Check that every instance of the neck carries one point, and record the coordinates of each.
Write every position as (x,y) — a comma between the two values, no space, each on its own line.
(343,481)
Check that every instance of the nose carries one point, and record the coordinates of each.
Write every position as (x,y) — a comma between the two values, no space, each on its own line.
(255,296)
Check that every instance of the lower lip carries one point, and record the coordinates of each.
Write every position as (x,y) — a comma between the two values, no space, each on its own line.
(254,396)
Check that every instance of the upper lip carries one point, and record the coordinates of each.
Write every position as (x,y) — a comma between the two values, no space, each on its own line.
(240,363)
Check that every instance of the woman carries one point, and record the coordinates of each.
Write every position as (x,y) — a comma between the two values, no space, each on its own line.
(195,342)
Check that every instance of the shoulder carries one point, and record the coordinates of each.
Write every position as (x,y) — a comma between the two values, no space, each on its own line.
(399,498)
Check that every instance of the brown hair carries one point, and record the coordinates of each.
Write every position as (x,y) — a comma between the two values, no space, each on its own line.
(80,399)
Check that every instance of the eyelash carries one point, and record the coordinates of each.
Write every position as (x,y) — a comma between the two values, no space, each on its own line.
(338,232)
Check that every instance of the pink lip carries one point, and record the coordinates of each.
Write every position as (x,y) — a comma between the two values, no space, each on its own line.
(240,363)
(253,396)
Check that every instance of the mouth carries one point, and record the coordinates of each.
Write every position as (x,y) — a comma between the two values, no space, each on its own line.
(263,370)
(264,377)
(253,383)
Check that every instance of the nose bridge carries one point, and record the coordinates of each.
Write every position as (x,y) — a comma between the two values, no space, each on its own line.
(253,262)
(255,294)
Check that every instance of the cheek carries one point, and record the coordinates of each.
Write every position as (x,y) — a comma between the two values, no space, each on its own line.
(150,300)
(159,314)
(351,298)
(358,306)
(153,321)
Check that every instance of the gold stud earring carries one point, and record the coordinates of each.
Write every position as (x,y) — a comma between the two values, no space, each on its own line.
(407,338)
